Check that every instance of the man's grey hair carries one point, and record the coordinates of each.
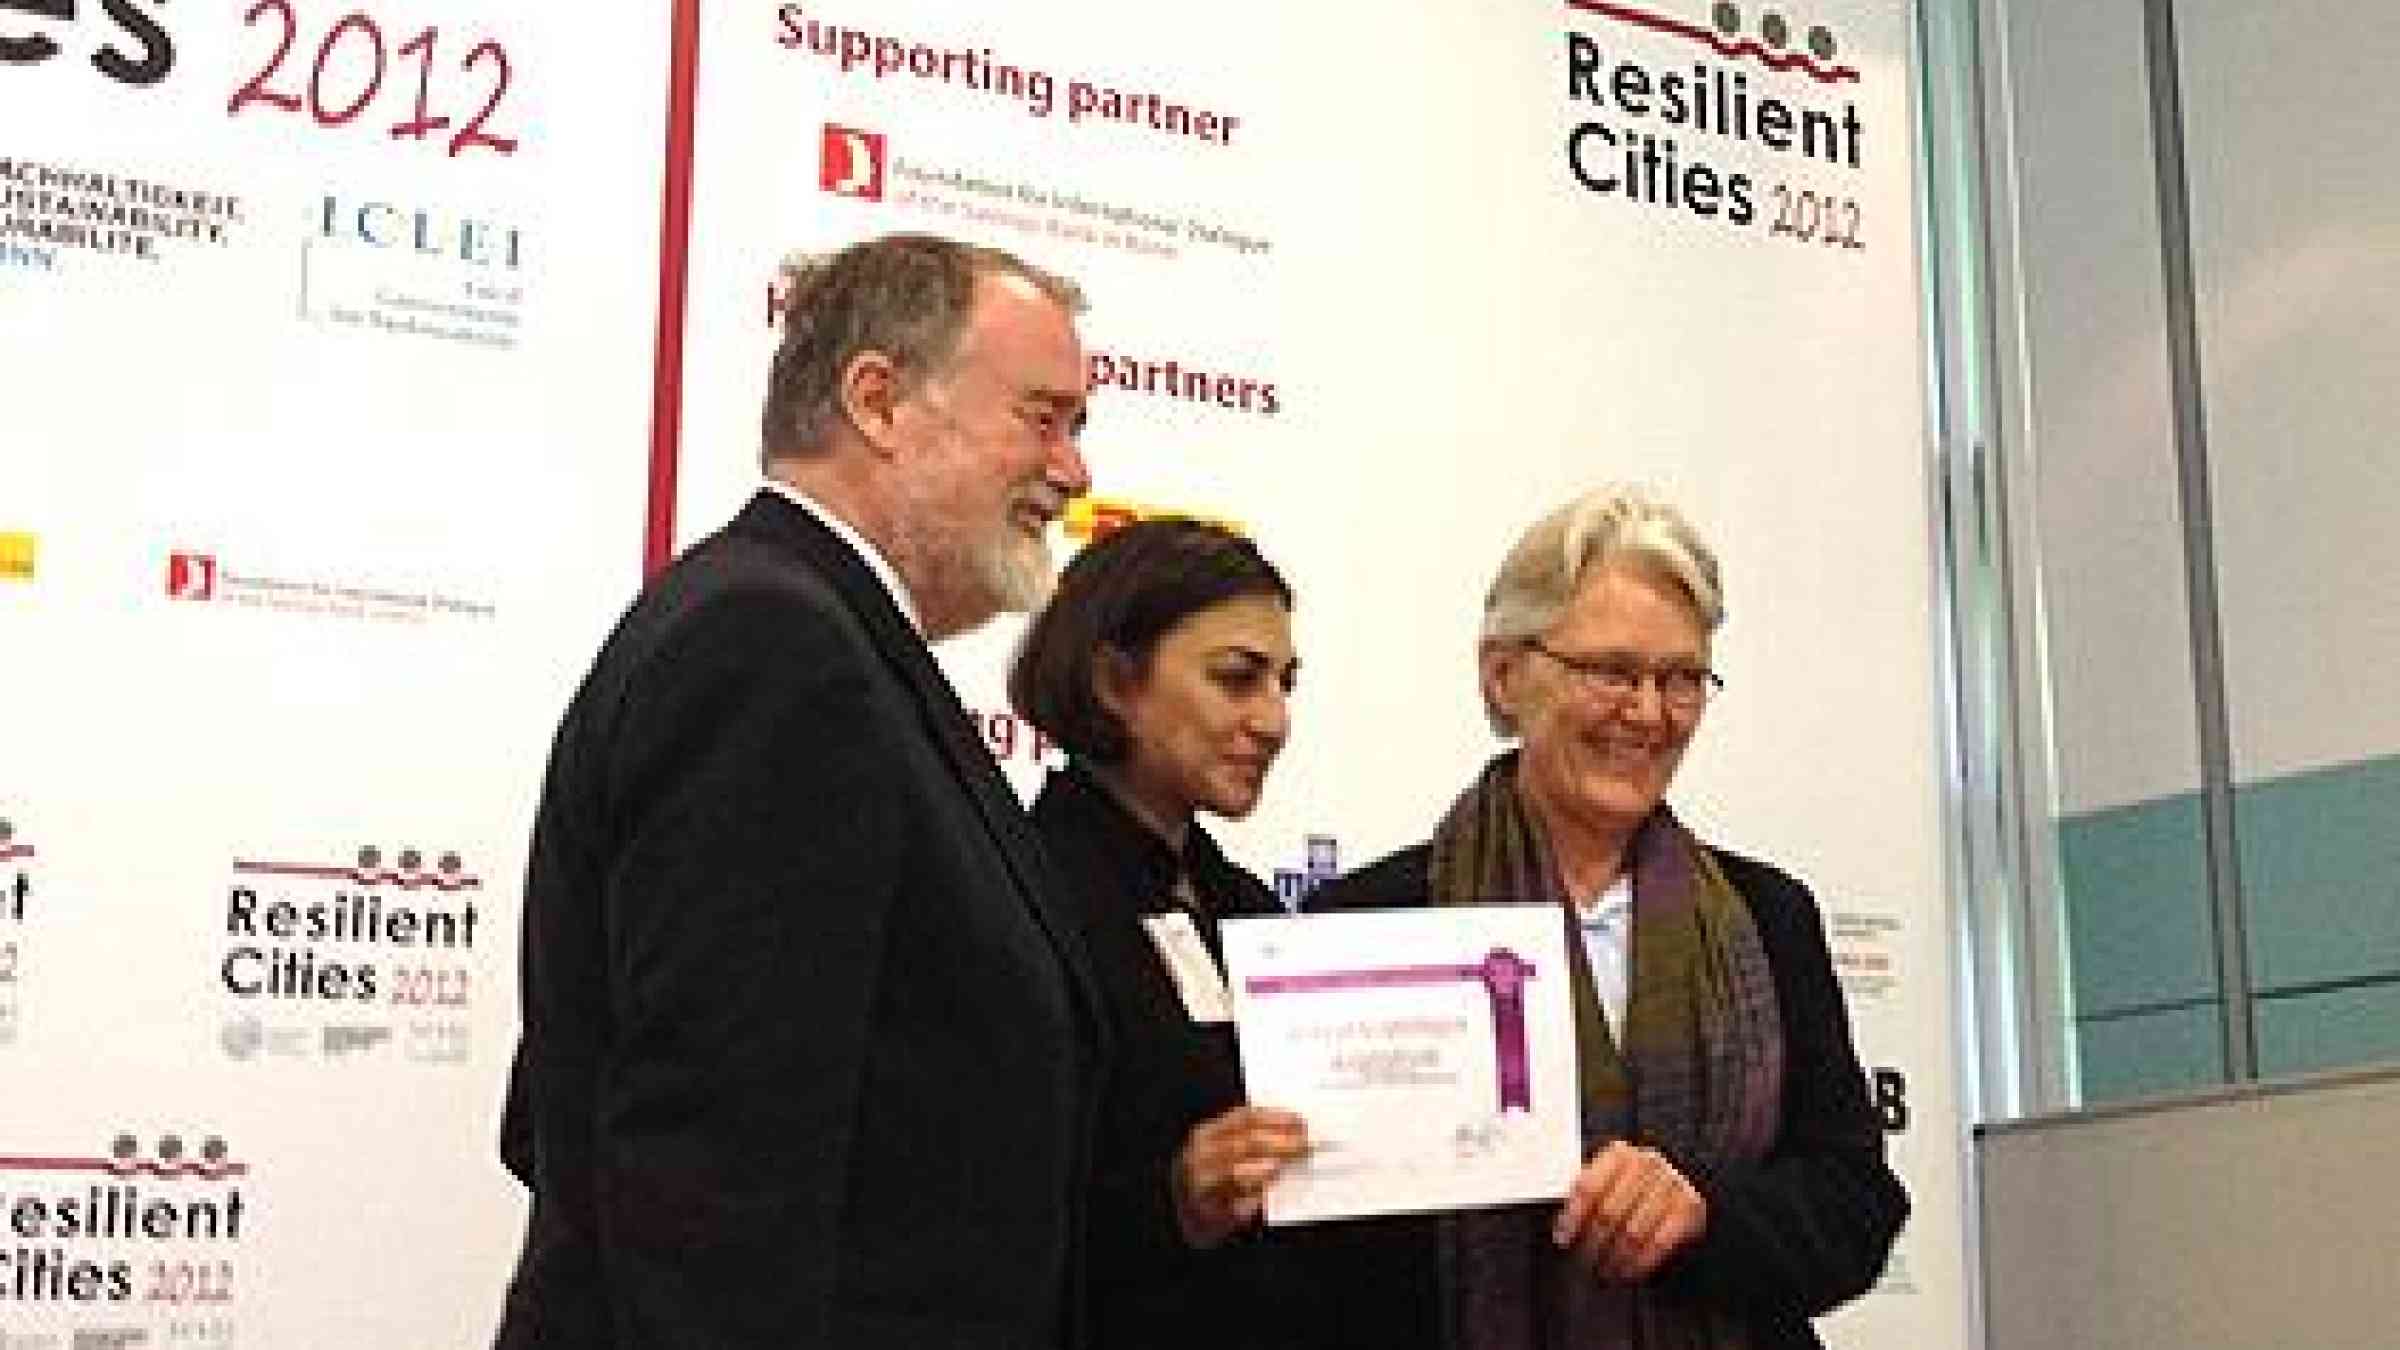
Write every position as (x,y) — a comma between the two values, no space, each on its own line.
(1618,526)
(905,295)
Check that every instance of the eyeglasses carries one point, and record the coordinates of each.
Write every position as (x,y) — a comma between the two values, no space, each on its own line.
(1618,677)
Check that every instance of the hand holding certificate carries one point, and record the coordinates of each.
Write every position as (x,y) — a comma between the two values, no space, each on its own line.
(1431,1051)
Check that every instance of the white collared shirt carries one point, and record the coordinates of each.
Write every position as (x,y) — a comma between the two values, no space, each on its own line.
(1606,922)
(859,544)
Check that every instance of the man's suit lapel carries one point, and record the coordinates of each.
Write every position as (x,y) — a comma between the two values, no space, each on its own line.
(938,706)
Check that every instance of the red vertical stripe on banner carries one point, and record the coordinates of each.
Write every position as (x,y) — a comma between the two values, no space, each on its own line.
(674,277)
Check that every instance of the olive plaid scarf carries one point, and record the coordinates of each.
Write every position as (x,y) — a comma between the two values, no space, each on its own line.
(1699,1075)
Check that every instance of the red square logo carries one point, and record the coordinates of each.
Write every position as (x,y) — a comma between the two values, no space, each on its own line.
(850,163)
(191,576)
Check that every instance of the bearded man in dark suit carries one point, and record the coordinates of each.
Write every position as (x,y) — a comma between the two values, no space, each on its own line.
(807,1052)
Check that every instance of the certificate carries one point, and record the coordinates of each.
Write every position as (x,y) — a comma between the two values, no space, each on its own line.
(1431,1051)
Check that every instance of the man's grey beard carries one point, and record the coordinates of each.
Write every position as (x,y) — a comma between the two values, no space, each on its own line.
(966,586)
(1019,574)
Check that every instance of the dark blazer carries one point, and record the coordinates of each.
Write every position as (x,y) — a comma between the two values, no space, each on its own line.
(807,1060)
(1807,1227)
(1309,1287)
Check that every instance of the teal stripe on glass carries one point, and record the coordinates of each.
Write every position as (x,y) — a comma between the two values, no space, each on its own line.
(2149,1053)
(2337,1029)
(2138,919)
(2320,858)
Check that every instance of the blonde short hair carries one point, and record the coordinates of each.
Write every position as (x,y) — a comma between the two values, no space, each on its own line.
(1619,526)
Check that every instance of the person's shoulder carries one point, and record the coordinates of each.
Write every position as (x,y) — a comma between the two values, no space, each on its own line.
(1395,880)
(1073,834)
(1087,845)
(1758,877)
(729,624)
(733,590)
(1781,904)
(743,567)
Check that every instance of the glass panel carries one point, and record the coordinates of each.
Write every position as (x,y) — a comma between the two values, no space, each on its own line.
(2294,212)
(2112,794)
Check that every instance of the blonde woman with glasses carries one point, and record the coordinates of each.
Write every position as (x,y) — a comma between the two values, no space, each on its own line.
(1734,1183)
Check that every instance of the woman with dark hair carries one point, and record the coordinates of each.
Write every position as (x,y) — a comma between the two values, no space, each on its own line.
(1163,666)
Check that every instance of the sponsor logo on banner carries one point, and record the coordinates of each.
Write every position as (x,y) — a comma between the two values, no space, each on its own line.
(1686,110)
(1320,862)
(249,1036)
(54,214)
(109,1246)
(352,1038)
(1089,518)
(351,961)
(191,576)
(411,269)
(1865,944)
(850,163)
(864,166)
(18,549)
(17,855)
(203,578)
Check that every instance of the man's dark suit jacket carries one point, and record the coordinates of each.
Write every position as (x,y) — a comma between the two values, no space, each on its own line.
(807,1060)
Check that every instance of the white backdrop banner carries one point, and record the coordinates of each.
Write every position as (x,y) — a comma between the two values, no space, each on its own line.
(1380,284)
(326,334)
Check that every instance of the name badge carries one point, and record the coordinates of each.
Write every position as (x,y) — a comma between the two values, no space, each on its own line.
(1197,979)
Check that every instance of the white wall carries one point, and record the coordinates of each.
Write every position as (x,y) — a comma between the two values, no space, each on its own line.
(2086,381)
(2289,117)
(2286,127)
